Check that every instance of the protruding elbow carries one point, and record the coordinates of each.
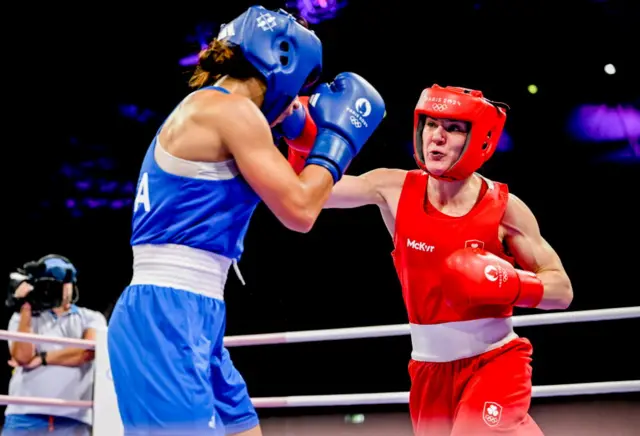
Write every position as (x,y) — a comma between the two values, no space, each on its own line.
(567,297)
(301,221)
(297,212)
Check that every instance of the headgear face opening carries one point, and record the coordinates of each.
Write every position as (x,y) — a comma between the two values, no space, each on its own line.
(288,55)
(486,118)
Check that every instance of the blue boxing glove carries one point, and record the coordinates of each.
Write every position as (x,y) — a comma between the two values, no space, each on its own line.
(299,129)
(346,112)
(293,125)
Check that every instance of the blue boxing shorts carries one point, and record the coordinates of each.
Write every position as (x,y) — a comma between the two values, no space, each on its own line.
(171,372)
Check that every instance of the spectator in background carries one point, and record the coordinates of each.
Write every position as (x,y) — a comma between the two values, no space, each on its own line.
(43,296)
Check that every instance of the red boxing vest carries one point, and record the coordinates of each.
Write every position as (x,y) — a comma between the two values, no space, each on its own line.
(424,240)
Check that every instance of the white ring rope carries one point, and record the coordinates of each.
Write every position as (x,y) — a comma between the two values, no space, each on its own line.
(362,399)
(39,339)
(403,329)
(357,333)
(37,401)
(353,332)
(403,397)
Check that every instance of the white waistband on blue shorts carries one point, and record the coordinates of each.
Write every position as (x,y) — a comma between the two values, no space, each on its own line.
(451,341)
(180,267)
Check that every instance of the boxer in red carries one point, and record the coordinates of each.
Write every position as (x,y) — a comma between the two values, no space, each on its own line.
(466,252)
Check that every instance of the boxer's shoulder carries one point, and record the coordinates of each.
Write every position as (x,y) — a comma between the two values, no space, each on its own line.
(221,106)
(387,177)
(235,118)
(517,215)
(386,181)
(516,205)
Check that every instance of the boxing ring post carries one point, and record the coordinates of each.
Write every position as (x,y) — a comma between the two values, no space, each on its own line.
(106,416)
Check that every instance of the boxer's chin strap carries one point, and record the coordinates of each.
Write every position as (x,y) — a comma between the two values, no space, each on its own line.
(236,268)
(418,139)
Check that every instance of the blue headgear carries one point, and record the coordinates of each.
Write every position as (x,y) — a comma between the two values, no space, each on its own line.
(288,55)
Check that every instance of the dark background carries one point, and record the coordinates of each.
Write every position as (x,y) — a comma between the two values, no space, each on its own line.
(93,85)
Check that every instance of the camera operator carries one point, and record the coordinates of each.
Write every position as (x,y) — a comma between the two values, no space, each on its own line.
(43,294)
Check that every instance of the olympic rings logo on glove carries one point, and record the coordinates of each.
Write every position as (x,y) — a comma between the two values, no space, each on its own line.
(355,122)
(439,107)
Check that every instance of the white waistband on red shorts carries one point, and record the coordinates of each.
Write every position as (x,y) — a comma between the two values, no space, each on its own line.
(180,267)
(451,341)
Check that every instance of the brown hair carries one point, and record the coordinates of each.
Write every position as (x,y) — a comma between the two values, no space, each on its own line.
(219,59)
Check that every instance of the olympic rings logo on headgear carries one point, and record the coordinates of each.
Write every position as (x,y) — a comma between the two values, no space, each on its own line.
(486,119)
(355,121)
(492,419)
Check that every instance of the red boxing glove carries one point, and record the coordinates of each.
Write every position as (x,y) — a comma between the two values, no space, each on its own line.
(300,146)
(296,159)
(474,277)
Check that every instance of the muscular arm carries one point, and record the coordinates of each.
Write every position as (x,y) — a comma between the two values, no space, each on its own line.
(372,187)
(295,200)
(533,253)
(355,191)
(381,187)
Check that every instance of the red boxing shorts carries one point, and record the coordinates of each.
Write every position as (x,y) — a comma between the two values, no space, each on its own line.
(482,395)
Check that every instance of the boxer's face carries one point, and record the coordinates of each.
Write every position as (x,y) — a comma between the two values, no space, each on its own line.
(442,143)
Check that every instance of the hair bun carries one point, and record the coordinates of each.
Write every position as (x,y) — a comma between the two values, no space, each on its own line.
(206,59)
(216,54)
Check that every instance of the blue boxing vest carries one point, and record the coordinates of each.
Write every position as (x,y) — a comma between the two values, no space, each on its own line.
(170,369)
(210,214)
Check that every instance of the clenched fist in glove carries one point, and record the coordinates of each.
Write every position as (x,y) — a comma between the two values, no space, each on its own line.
(473,277)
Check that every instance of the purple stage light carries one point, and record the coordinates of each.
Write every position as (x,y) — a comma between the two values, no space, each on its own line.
(108,186)
(626,155)
(191,60)
(128,187)
(83,185)
(604,123)
(128,110)
(135,113)
(94,203)
(67,170)
(117,204)
(505,143)
(315,11)
(106,163)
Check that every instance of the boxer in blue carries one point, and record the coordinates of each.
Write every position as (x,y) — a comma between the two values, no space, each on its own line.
(208,166)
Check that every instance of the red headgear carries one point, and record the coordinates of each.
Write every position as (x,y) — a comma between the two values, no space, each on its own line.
(486,119)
